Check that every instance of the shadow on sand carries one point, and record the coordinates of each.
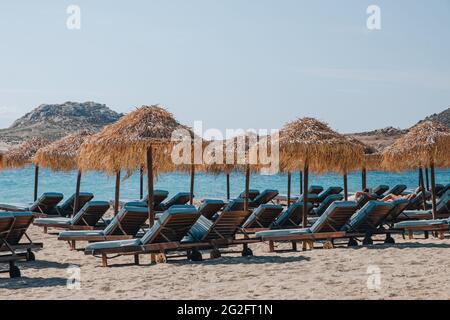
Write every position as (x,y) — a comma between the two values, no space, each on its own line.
(25,282)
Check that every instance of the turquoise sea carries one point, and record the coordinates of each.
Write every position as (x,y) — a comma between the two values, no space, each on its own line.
(16,186)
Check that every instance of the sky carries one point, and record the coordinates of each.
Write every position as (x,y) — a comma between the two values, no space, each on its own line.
(231,63)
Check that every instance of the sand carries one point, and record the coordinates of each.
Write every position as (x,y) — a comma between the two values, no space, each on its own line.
(411,269)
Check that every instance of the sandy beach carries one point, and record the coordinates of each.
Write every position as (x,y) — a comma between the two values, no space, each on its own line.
(416,269)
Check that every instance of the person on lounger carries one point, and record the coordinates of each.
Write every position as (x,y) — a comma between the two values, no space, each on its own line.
(392,197)
(365,193)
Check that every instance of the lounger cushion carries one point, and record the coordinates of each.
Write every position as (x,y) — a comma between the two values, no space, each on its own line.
(326,203)
(59,221)
(113,244)
(317,226)
(331,190)
(81,233)
(362,214)
(315,189)
(260,211)
(282,232)
(420,223)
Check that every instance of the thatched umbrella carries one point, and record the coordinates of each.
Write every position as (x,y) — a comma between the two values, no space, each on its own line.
(145,135)
(311,145)
(427,144)
(21,155)
(62,155)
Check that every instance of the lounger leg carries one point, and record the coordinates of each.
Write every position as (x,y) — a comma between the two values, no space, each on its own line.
(304,246)
(271,246)
(136,259)
(45,229)
(441,235)
(427,235)
(294,246)
(410,234)
(72,245)
(104,260)
(152,258)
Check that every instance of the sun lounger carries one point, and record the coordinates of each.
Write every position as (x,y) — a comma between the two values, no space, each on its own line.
(417,202)
(44,205)
(329,226)
(180,198)
(291,217)
(66,208)
(234,205)
(86,219)
(166,233)
(263,198)
(315,189)
(125,225)
(443,190)
(379,190)
(326,203)
(252,194)
(210,207)
(397,189)
(328,192)
(158,197)
(262,217)
(439,225)
(442,211)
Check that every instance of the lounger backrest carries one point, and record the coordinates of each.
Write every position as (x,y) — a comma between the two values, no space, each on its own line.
(66,208)
(6,221)
(234,205)
(335,217)
(263,216)
(369,217)
(90,214)
(178,199)
(158,197)
(264,197)
(399,207)
(331,190)
(397,189)
(380,190)
(210,207)
(128,221)
(327,202)
(417,201)
(22,221)
(252,194)
(443,205)
(47,202)
(315,189)
(173,225)
(292,216)
(443,190)
(225,226)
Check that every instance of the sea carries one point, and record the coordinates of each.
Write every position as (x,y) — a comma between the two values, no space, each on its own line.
(16,186)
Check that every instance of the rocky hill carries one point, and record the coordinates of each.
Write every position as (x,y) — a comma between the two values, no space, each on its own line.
(54,121)
(443,117)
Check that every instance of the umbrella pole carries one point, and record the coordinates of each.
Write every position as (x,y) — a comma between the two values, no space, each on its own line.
(363,179)
(77,194)
(289,190)
(422,187)
(141,183)
(301,182)
(305,195)
(228,187)
(433,188)
(191,193)
(151,215)
(345,187)
(117,193)
(427,181)
(36,182)
(247,187)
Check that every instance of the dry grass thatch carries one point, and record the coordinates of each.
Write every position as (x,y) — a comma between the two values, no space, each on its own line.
(123,145)
(309,140)
(62,155)
(424,143)
(372,159)
(22,154)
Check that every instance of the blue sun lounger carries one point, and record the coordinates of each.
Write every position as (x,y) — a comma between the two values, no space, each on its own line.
(66,208)
(44,205)
(180,198)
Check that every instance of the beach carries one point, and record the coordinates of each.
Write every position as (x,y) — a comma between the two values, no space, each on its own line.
(410,269)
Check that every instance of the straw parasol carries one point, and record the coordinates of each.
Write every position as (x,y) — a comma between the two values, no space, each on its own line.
(62,155)
(311,145)
(21,155)
(426,144)
(144,136)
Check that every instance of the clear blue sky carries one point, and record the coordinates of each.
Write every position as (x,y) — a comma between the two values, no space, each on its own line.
(231,63)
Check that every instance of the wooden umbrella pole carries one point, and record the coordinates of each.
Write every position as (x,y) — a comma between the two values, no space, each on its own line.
(76,201)
(433,188)
(36,182)
(228,187)
(427,181)
(289,189)
(422,187)
(363,179)
(247,187)
(191,192)
(151,215)
(305,195)
(141,183)
(117,193)
(345,187)
(301,182)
